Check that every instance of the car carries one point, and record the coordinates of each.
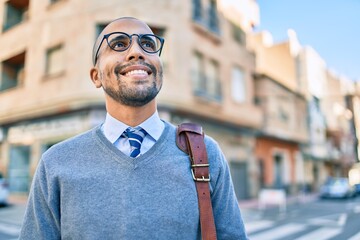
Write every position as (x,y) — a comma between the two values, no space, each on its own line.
(4,191)
(354,177)
(337,187)
(357,188)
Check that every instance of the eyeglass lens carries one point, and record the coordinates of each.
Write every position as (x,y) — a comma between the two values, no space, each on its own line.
(121,42)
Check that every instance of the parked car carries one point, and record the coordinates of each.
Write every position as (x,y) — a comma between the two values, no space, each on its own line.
(354,177)
(4,191)
(357,188)
(337,188)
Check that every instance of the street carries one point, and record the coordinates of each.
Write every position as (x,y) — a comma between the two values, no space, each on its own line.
(10,221)
(319,219)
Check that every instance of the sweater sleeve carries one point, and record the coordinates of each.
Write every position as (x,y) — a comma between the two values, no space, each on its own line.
(42,215)
(227,216)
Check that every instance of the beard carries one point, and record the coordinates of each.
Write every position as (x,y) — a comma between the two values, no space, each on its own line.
(135,96)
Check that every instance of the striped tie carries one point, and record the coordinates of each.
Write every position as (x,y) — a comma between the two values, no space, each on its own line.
(135,136)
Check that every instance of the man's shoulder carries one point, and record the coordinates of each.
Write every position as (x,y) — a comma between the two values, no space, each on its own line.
(214,152)
(211,142)
(76,142)
(169,125)
(80,138)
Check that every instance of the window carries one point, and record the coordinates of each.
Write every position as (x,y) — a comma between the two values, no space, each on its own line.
(213,86)
(238,34)
(12,72)
(206,78)
(206,16)
(213,17)
(158,31)
(283,114)
(198,73)
(99,28)
(16,11)
(197,10)
(54,1)
(238,88)
(55,62)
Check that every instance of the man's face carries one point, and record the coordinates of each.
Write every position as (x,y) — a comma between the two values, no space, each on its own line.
(132,77)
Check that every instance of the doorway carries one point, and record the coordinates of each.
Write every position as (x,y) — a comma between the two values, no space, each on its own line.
(278,171)
(240,179)
(18,172)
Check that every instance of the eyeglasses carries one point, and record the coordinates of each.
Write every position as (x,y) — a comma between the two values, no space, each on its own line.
(120,41)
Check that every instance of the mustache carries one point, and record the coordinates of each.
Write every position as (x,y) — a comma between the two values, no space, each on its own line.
(119,68)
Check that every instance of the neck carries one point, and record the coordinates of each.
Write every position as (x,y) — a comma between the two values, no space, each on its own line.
(131,116)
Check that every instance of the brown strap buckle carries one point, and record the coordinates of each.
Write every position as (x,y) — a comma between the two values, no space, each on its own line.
(203,178)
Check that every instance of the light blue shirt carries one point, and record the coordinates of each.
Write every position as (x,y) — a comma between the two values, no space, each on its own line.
(113,128)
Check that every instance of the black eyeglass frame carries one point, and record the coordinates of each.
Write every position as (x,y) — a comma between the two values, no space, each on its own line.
(139,36)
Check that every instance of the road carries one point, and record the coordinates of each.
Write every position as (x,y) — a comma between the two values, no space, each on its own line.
(319,219)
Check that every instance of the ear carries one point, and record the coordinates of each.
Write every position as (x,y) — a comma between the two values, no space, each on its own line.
(95,77)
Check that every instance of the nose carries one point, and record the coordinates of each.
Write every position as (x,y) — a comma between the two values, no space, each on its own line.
(135,52)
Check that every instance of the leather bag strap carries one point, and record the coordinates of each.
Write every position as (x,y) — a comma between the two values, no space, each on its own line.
(190,139)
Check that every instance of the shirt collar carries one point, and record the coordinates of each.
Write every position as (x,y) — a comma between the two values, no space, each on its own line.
(153,126)
(113,128)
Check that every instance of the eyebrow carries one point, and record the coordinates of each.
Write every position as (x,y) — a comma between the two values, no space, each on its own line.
(120,38)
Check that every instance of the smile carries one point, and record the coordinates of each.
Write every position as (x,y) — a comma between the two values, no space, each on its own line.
(136,72)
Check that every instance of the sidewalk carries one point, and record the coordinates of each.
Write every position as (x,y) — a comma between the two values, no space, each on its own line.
(300,199)
(17,199)
(11,216)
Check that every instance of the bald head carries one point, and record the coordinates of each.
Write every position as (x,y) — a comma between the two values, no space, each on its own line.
(113,27)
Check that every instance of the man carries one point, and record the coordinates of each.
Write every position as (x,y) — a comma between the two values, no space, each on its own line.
(127,179)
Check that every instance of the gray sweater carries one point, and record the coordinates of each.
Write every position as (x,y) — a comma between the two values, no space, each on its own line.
(85,188)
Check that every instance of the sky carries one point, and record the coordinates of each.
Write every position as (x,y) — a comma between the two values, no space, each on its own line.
(331,27)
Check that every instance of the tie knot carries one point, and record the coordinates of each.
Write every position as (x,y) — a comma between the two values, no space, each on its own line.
(136,136)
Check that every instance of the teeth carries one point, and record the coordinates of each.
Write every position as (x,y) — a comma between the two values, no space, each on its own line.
(133,72)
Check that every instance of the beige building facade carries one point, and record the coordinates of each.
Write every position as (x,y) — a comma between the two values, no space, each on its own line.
(46,94)
(283,132)
(285,128)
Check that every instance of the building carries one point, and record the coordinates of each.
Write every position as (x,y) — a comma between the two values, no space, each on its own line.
(324,110)
(46,94)
(331,148)
(284,130)
(312,74)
